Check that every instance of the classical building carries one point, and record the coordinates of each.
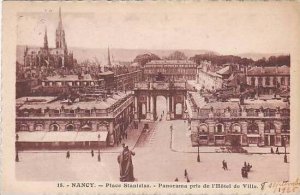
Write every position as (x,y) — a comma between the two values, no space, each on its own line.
(171,69)
(121,78)
(47,122)
(57,57)
(256,122)
(207,78)
(62,83)
(269,80)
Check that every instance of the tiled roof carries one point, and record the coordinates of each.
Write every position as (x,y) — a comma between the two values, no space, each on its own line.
(86,77)
(281,70)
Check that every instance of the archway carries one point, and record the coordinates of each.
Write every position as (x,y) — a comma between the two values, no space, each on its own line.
(70,127)
(160,110)
(54,127)
(178,110)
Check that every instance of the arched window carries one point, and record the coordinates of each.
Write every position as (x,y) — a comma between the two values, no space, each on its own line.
(203,128)
(38,127)
(54,127)
(252,128)
(269,126)
(236,128)
(70,127)
(24,127)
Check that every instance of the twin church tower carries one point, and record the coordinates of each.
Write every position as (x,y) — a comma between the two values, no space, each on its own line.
(57,57)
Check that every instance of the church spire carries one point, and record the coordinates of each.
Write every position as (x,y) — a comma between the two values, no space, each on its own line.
(60,34)
(45,39)
(108,57)
(60,20)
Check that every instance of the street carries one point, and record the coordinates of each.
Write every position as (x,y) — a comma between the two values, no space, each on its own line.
(154,161)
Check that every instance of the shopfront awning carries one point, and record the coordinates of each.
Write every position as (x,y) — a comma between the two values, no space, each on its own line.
(60,136)
(27,136)
(253,135)
(83,136)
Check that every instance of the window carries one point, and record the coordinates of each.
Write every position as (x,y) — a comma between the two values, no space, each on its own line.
(260,81)
(219,128)
(282,81)
(269,126)
(38,127)
(236,128)
(203,128)
(70,127)
(268,81)
(24,127)
(285,128)
(253,81)
(274,81)
(252,128)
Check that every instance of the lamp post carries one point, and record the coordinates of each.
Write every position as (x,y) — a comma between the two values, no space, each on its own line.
(198,138)
(285,156)
(16,148)
(99,158)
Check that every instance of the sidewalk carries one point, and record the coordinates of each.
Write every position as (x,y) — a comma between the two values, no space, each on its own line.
(133,136)
(181,142)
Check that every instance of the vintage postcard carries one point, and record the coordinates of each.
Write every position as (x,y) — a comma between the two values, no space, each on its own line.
(150,97)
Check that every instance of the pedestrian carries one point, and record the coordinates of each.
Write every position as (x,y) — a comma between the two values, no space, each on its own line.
(272,151)
(68,154)
(277,150)
(92,152)
(245,164)
(176,179)
(223,163)
(185,173)
(187,179)
(249,167)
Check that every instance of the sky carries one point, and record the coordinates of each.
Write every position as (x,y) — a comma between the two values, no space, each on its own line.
(227,30)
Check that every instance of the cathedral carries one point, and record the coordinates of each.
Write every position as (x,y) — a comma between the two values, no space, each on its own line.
(57,57)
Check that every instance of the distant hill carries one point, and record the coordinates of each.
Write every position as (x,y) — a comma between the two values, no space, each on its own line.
(256,56)
(128,55)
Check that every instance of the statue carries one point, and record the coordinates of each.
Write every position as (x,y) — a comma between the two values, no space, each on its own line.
(126,166)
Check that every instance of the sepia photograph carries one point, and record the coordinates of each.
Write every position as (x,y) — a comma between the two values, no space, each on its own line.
(152,93)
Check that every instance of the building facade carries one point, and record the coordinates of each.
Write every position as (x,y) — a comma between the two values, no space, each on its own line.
(171,69)
(259,123)
(208,79)
(57,57)
(269,80)
(46,122)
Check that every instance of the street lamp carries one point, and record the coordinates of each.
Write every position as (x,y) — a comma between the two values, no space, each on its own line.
(17,153)
(285,156)
(198,139)
(99,158)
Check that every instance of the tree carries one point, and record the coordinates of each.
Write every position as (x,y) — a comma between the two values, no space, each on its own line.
(177,55)
(145,58)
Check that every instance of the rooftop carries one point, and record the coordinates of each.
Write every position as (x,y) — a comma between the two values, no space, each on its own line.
(280,70)
(171,62)
(94,104)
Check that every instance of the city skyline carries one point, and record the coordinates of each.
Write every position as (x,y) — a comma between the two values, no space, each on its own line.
(257,30)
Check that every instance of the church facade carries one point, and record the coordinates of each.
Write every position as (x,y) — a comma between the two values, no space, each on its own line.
(58,57)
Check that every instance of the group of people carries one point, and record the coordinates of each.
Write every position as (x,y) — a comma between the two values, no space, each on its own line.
(186,176)
(277,150)
(245,169)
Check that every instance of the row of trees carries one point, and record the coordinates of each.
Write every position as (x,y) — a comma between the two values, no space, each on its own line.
(218,60)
